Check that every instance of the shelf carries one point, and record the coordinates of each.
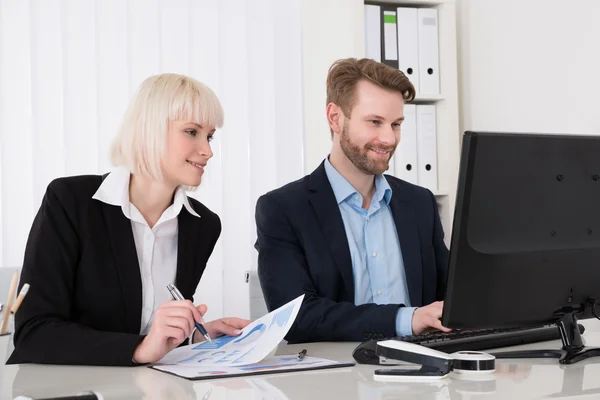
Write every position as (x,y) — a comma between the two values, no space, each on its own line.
(428,97)
(440,194)
(415,3)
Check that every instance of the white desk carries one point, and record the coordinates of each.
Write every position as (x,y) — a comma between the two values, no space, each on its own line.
(514,379)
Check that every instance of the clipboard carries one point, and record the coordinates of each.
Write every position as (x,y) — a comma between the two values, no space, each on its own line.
(270,365)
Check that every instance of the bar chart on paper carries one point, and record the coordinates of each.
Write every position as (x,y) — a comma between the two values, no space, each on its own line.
(256,341)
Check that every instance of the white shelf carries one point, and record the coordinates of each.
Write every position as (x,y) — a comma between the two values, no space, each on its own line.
(423,3)
(440,194)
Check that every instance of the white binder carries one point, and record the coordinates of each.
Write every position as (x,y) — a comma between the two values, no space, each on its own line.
(390,42)
(408,44)
(373,32)
(427,147)
(391,168)
(405,158)
(429,71)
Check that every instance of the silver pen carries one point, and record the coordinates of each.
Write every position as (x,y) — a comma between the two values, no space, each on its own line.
(176,294)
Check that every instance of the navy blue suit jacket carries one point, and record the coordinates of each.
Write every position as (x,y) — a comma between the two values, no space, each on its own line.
(303,249)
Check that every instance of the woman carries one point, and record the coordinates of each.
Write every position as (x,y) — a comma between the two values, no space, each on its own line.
(103,248)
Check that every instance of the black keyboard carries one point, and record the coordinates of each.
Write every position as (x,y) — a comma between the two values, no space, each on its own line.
(483,339)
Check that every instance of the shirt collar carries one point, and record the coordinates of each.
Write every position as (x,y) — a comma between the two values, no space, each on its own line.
(114,190)
(342,189)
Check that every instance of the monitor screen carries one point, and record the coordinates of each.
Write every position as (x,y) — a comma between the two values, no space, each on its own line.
(526,235)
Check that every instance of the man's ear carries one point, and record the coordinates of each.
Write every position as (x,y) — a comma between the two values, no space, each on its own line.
(334,117)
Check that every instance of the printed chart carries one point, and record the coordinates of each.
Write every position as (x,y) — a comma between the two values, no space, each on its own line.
(256,341)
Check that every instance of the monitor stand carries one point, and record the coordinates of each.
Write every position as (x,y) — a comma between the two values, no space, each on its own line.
(573,349)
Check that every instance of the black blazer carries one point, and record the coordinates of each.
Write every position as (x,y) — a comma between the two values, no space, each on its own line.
(303,249)
(85,301)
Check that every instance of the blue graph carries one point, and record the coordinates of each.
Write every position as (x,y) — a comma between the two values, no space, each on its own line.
(260,328)
(281,318)
(226,358)
(240,359)
(216,343)
(190,358)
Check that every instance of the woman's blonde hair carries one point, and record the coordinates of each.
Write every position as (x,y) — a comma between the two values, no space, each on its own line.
(140,144)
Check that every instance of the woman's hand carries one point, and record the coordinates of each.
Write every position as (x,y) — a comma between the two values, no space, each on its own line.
(220,327)
(173,323)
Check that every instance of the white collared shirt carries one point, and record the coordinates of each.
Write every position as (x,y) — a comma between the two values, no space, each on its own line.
(156,248)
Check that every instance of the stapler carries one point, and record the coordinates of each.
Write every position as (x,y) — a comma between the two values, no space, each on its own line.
(434,364)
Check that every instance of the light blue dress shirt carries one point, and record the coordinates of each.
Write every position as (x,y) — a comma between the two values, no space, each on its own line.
(377,264)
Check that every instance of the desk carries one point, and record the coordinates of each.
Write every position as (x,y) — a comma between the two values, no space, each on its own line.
(514,379)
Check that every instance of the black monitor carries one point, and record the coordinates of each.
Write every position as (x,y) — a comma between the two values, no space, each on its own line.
(526,236)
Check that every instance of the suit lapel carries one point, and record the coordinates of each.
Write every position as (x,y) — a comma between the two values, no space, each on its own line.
(328,214)
(128,269)
(408,234)
(187,248)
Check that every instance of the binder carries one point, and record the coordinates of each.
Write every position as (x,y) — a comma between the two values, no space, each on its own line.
(405,158)
(408,44)
(391,164)
(373,32)
(427,147)
(429,74)
(390,42)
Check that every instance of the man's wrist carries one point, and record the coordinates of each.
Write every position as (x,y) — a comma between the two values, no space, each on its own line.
(404,324)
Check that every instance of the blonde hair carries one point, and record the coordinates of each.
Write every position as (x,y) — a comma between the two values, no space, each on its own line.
(140,144)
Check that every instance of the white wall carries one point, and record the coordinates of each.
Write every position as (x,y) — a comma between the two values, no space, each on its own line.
(529,65)
(68,68)
(332,29)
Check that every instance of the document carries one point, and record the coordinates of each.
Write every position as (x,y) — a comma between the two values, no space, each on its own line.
(258,340)
(269,365)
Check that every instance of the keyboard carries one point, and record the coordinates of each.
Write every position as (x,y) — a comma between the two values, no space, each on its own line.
(482,339)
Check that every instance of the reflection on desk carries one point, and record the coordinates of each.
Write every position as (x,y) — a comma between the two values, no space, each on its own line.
(513,379)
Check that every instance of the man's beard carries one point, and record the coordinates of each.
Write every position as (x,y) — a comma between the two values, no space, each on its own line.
(360,157)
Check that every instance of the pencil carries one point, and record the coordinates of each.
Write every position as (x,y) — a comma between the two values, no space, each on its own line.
(9,302)
(20,298)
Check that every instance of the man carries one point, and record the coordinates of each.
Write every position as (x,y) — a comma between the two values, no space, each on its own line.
(366,249)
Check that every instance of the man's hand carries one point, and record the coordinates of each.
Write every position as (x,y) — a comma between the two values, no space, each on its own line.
(427,319)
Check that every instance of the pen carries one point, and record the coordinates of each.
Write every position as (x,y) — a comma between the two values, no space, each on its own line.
(178,296)
(20,298)
(81,396)
(301,355)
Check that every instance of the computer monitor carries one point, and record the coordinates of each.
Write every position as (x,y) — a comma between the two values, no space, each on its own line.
(525,247)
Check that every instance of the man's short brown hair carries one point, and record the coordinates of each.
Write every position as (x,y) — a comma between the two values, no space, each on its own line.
(344,74)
